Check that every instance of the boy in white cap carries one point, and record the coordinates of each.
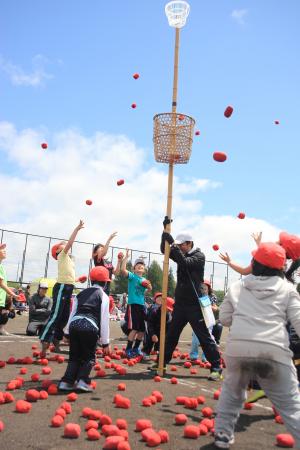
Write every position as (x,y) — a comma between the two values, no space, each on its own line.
(135,313)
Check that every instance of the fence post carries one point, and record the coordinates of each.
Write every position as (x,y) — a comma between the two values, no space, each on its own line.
(47,260)
(1,236)
(23,260)
(212,275)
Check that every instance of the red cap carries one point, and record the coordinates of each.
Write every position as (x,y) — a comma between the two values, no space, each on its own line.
(207,282)
(54,249)
(270,255)
(157,294)
(99,273)
(291,245)
(170,303)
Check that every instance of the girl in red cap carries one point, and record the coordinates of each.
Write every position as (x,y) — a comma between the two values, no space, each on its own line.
(257,310)
(62,293)
(89,320)
(98,255)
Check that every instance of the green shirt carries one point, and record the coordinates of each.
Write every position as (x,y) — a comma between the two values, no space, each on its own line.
(2,292)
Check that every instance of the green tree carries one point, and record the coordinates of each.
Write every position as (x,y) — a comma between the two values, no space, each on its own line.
(219,295)
(120,283)
(154,274)
(171,283)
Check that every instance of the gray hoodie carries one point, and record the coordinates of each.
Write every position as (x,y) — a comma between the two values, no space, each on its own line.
(257,310)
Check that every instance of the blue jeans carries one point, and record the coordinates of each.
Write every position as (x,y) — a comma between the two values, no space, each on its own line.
(194,352)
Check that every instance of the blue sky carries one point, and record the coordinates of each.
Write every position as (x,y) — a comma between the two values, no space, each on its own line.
(69,65)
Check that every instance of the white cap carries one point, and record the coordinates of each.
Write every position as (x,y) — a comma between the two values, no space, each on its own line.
(183,237)
(43,285)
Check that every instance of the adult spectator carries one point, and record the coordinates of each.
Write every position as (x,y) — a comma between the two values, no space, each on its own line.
(27,293)
(39,310)
(190,270)
(20,304)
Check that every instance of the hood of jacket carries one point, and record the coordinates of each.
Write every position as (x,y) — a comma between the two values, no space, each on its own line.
(263,287)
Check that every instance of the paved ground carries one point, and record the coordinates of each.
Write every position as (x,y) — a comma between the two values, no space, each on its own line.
(256,428)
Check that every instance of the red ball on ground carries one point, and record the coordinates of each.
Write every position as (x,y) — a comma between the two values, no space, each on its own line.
(285,440)
(72,430)
(23,407)
(1,426)
(181,419)
(122,424)
(72,397)
(142,424)
(191,431)
(57,421)
(207,411)
(93,434)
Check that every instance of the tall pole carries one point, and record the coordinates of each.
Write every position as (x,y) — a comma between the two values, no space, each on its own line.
(162,339)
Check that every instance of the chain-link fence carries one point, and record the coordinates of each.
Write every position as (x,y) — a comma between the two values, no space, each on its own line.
(29,258)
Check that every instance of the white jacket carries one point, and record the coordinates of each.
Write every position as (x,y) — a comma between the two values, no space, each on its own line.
(257,310)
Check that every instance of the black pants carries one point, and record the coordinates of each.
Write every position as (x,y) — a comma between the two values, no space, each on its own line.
(192,315)
(82,355)
(34,328)
(149,344)
(60,312)
(217,331)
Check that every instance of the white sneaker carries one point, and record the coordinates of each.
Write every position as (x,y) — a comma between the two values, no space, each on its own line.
(83,386)
(222,440)
(63,386)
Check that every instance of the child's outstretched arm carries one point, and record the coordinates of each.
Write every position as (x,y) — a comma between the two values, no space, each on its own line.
(9,291)
(124,271)
(73,236)
(116,271)
(104,250)
(234,266)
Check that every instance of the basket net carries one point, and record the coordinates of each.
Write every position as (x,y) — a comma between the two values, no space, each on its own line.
(173,137)
(177,13)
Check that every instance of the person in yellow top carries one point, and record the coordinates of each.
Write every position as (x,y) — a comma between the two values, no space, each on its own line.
(62,293)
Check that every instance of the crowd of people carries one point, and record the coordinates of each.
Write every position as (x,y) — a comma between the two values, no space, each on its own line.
(262,311)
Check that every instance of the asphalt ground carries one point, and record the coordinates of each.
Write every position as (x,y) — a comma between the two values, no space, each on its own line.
(256,428)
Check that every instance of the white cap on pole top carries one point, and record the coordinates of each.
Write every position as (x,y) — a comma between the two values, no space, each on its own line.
(177,13)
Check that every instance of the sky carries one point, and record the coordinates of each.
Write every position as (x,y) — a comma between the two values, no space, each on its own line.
(66,79)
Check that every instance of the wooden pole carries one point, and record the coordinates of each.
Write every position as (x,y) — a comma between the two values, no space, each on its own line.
(162,339)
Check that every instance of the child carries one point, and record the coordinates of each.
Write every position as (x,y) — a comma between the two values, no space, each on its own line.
(6,313)
(135,312)
(99,252)
(62,293)
(89,320)
(4,289)
(152,334)
(257,309)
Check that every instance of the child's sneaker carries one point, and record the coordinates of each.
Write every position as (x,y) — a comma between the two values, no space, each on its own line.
(136,352)
(256,395)
(63,386)
(129,353)
(215,376)
(222,440)
(83,386)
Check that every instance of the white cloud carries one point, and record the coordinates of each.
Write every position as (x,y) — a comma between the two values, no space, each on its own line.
(48,198)
(19,77)
(239,15)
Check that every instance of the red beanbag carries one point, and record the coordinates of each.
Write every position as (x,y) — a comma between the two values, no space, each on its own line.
(285,440)
(121,387)
(228,111)
(203,429)
(278,419)
(46,370)
(174,380)
(207,411)
(57,421)
(1,426)
(8,397)
(123,445)
(91,424)
(35,377)
(158,395)
(187,364)
(105,420)
(157,378)
(219,156)
(173,368)
(142,424)
(96,414)
(146,401)
(122,424)
(217,394)
(32,395)
(86,412)
(23,370)
(110,430)
(43,395)
(67,407)
(164,436)
(181,400)
(191,431)
(111,442)
(154,439)
(23,407)
(52,389)
(122,402)
(181,419)
(209,423)
(72,397)
(60,412)
(72,430)
(93,434)
(46,383)
(248,405)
